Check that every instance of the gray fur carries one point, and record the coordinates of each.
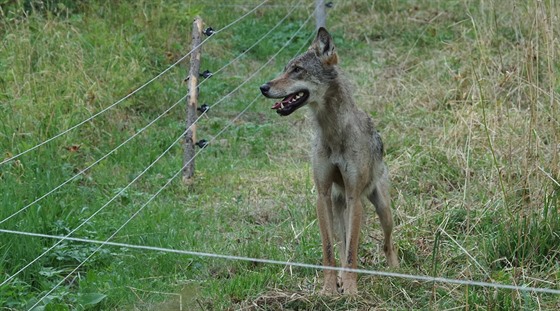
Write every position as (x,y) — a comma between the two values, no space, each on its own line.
(347,155)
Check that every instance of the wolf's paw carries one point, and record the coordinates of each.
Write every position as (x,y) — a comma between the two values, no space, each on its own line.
(349,284)
(349,288)
(328,291)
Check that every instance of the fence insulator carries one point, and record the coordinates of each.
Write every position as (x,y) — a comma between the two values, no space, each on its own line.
(204,108)
(206,74)
(208,31)
(202,143)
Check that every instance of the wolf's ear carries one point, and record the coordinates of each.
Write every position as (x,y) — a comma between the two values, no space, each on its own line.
(324,47)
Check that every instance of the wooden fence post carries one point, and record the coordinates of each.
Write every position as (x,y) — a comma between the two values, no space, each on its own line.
(320,13)
(192,100)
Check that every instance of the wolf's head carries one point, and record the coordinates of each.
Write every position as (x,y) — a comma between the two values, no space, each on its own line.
(306,78)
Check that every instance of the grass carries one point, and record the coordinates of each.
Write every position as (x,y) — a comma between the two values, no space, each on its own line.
(465,94)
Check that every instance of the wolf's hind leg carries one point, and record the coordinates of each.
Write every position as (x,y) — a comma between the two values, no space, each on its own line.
(381,199)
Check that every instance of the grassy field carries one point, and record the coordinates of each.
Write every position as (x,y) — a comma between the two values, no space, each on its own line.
(465,95)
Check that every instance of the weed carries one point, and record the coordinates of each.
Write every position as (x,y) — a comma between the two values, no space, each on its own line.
(465,94)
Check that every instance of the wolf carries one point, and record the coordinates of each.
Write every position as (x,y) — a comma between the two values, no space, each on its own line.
(346,156)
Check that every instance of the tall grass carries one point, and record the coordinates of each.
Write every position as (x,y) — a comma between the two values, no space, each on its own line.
(465,94)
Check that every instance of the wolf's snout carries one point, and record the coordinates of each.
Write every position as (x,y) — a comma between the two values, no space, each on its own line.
(265,88)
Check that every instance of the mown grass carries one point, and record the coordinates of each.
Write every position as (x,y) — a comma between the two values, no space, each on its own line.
(465,94)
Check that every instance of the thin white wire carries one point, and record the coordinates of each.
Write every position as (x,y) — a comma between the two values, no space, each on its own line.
(96,212)
(262,37)
(263,66)
(266,261)
(172,178)
(424,278)
(144,128)
(152,164)
(304,45)
(131,93)
(138,211)
(94,163)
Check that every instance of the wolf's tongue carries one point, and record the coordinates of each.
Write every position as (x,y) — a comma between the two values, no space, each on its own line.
(284,102)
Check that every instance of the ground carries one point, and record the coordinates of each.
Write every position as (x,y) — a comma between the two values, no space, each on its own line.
(464,93)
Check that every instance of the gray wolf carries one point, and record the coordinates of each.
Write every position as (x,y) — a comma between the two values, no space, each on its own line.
(347,156)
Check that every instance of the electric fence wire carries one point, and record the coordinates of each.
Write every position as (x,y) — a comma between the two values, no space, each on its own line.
(153,163)
(262,37)
(148,125)
(136,213)
(266,261)
(93,164)
(416,277)
(11,158)
(232,122)
(143,172)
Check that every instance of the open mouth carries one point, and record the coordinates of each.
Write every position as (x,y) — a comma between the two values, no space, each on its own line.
(291,103)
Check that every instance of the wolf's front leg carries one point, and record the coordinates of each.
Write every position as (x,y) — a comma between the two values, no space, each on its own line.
(350,279)
(325,217)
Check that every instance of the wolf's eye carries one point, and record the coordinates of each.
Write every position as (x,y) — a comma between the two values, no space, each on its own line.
(297,69)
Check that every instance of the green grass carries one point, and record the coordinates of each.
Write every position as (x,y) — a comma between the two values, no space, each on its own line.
(465,94)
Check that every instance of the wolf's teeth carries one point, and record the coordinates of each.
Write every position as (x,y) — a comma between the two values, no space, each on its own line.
(300,94)
(281,106)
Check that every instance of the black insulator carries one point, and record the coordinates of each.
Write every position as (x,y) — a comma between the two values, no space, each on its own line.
(204,108)
(208,31)
(202,143)
(206,74)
